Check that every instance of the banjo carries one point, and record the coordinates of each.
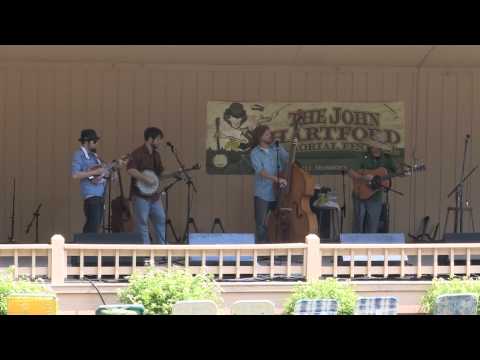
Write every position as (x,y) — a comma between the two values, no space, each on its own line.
(147,189)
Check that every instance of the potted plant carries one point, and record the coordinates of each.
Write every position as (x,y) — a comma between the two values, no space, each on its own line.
(450,286)
(10,286)
(158,290)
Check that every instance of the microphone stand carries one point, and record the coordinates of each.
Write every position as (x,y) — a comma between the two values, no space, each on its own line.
(11,238)
(461,188)
(108,228)
(168,221)
(35,217)
(344,206)
(277,145)
(456,190)
(190,186)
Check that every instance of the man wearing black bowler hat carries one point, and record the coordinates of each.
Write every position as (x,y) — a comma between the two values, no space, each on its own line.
(92,182)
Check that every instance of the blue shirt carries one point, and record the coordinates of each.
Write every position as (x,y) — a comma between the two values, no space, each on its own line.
(266,159)
(82,161)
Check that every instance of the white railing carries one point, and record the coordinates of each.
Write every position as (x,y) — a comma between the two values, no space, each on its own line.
(310,260)
(416,260)
(31,260)
(221,260)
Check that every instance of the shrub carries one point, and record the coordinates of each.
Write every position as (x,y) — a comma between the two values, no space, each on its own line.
(451,286)
(325,289)
(158,291)
(8,285)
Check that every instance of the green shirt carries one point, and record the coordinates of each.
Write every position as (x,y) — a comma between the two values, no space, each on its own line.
(369,162)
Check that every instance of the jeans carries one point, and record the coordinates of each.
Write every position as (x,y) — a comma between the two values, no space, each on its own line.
(369,210)
(261,210)
(93,209)
(144,210)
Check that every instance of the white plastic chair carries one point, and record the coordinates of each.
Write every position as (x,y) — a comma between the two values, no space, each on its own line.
(253,307)
(195,307)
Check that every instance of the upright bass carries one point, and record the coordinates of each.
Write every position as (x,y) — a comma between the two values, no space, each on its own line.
(293,219)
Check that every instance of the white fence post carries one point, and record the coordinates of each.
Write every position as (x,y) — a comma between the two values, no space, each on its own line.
(58,270)
(314,258)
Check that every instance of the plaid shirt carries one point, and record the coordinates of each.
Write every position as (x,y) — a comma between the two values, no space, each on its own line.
(316,307)
(382,305)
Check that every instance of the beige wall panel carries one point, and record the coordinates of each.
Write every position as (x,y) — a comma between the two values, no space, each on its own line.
(449,158)
(251,93)
(46,142)
(237,199)
(13,121)
(62,151)
(204,199)
(433,139)
(221,192)
(390,93)
(28,178)
(475,126)
(406,90)
(188,138)
(5,181)
(47,104)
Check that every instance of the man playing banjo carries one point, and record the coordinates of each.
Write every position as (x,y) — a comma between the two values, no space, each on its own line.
(143,161)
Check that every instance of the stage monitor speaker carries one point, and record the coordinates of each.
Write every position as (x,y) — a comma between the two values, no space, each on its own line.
(113,238)
(377,238)
(109,239)
(461,238)
(456,238)
(221,239)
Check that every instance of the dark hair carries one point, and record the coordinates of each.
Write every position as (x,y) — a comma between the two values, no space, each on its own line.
(235,110)
(152,132)
(258,133)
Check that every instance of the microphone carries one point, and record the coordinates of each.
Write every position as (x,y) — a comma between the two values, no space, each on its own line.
(277,143)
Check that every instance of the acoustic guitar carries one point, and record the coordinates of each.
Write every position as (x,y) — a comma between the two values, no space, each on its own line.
(122,211)
(364,189)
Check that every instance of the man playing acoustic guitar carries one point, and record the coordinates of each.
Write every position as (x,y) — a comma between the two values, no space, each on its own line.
(367,211)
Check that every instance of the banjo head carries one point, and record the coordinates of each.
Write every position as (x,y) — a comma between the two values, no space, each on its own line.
(147,189)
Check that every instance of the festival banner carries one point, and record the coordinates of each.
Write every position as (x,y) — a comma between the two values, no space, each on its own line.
(332,136)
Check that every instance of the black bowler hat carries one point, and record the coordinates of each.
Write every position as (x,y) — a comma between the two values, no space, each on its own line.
(88,135)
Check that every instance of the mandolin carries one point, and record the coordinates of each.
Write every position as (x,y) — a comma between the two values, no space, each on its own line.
(107,169)
(364,189)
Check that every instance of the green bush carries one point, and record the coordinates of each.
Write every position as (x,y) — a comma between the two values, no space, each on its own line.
(451,286)
(158,291)
(8,285)
(325,289)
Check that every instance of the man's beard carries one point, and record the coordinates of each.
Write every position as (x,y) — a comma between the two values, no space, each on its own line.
(94,150)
